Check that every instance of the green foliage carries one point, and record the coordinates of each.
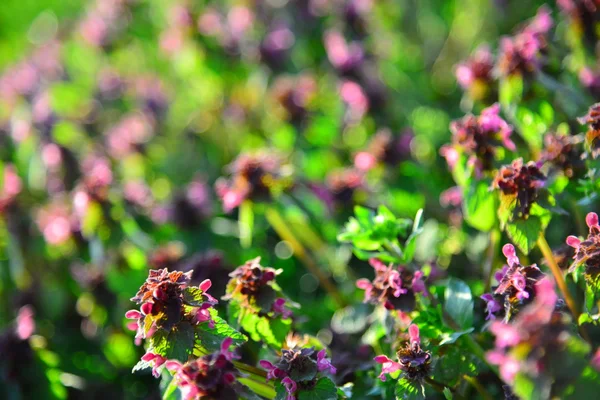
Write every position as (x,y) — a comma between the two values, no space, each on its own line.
(407,390)
(480,206)
(324,389)
(210,339)
(380,234)
(459,303)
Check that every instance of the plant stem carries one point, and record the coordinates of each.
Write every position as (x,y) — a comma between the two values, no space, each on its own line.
(491,255)
(284,231)
(560,281)
(478,386)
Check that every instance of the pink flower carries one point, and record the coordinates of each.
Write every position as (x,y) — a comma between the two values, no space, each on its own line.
(388,366)
(364,161)
(158,362)
(506,335)
(510,253)
(595,361)
(413,332)
(25,323)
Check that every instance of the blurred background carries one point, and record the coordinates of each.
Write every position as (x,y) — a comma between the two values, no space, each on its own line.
(119,123)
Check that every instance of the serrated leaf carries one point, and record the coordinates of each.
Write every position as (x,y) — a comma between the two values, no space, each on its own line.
(459,303)
(407,390)
(480,207)
(177,344)
(192,296)
(141,365)
(524,233)
(211,338)
(325,389)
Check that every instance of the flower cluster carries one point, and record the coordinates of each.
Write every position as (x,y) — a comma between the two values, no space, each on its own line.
(521,181)
(592,137)
(413,361)
(294,96)
(208,377)
(530,342)
(298,369)
(11,188)
(515,287)
(479,138)
(393,287)
(563,153)
(167,299)
(475,74)
(522,53)
(255,177)
(254,287)
(587,252)
(384,147)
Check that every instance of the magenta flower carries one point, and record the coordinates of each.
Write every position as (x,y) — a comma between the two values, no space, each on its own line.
(290,387)
(323,364)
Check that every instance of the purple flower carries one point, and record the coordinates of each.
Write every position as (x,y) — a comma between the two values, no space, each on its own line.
(522,182)
(414,362)
(290,387)
(479,137)
(323,364)
(393,287)
(516,286)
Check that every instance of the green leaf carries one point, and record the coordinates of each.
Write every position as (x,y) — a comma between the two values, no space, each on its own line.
(524,233)
(511,90)
(448,394)
(280,392)
(324,390)
(246,223)
(211,339)
(273,331)
(169,387)
(175,345)
(192,296)
(449,338)
(480,207)
(407,390)
(459,303)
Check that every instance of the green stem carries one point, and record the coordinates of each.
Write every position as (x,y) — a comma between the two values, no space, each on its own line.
(478,386)
(561,283)
(261,388)
(284,231)
(492,250)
